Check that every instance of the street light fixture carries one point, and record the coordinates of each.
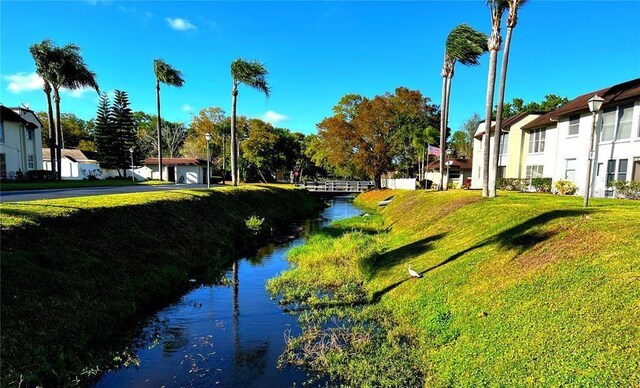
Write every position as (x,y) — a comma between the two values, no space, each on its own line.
(595,103)
(133,176)
(208,137)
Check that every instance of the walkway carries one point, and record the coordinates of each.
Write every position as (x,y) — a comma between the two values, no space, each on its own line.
(32,195)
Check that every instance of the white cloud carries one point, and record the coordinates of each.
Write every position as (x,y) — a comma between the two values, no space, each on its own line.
(23,82)
(187,108)
(180,24)
(27,82)
(274,117)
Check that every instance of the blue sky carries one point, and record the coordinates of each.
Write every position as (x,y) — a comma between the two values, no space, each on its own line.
(315,51)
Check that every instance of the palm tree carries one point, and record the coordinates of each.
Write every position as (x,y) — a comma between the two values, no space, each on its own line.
(512,20)
(252,74)
(61,67)
(464,45)
(496,8)
(42,54)
(166,74)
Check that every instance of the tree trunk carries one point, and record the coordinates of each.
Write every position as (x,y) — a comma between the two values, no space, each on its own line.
(491,82)
(495,155)
(224,156)
(159,126)
(377,181)
(443,129)
(56,100)
(234,176)
(262,176)
(446,119)
(52,130)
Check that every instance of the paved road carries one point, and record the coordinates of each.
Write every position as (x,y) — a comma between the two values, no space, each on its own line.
(32,195)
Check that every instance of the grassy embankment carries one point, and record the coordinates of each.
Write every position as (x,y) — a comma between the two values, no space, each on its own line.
(21,186)
(77,273)
(517,290)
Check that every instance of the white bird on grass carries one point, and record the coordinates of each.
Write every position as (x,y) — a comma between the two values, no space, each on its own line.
(413,273)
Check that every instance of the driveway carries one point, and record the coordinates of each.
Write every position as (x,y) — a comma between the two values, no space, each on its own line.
(32,195)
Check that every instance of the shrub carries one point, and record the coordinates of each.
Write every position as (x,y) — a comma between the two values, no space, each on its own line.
(541,184)
(92,175)
(627,189)
(513,184)
(254,223)
(40,175)
(566,187)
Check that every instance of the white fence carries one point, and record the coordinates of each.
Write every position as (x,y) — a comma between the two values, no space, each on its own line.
(403,184)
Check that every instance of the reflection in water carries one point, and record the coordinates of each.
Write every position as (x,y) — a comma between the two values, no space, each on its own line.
(224,333)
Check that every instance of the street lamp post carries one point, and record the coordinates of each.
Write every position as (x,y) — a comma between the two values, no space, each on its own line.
(595,103)
(208,137)
(448,163)
(133,176)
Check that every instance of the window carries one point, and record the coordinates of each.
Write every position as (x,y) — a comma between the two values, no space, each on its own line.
(636,169)
(570,170)
(574,125)
(611,172)
(626,120)
(622,169)
(3,166)
(534,171)
(31,164)
(29,134)
(536,141)
(608,125)
(504,143)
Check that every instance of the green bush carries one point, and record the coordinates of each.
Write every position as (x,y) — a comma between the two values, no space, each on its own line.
(627,189)
(254,223)
(541,184)
(513,184)
(40,175)
(566,187)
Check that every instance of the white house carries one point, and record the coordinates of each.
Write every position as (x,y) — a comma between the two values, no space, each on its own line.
(558,142)
(20,141)
(179,170)
(456,172)
(76,164)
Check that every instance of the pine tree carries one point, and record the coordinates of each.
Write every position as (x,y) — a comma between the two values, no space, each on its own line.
(104,134)
(124,129)
(115,133)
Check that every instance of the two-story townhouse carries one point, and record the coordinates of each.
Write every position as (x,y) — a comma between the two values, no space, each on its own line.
(20,141)
(513,141)
(559,140)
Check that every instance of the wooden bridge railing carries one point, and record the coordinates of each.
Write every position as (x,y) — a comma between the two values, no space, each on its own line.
(338,186)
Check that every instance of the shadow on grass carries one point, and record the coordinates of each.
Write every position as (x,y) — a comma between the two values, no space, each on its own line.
(519,237)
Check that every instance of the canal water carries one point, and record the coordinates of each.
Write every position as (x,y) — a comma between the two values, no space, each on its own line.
(224,335)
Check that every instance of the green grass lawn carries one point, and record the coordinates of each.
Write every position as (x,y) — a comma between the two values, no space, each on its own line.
(520,290)
(10,186)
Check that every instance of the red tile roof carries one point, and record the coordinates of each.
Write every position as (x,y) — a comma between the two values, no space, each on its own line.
(507,123)
(612,95)
(462,163)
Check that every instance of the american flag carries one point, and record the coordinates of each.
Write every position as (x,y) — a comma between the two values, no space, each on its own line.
(434,150)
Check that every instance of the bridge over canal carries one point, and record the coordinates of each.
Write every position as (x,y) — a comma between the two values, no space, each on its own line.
(337,187)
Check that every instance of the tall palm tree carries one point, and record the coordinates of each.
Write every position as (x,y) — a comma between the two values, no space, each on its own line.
(252,74)
(42,54)
(496,8)
(61,67)
(168,75)
(512,20)
(464,45)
